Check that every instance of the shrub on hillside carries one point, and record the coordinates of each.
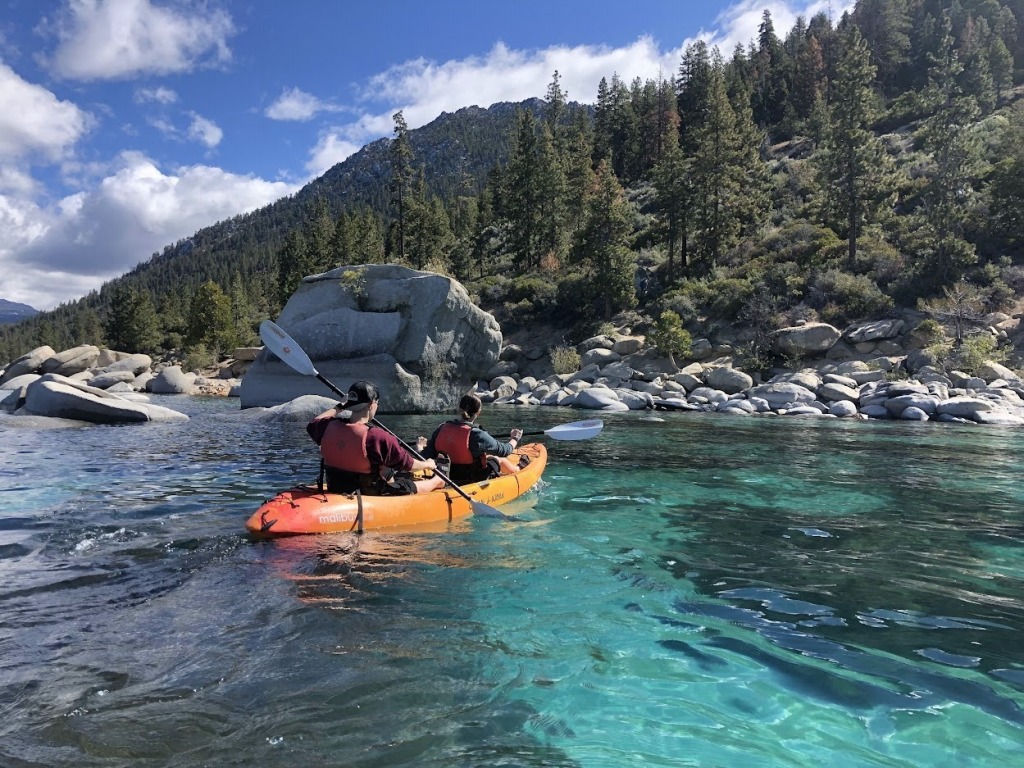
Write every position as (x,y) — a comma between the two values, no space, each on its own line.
(975,350)
(718,296)
(564,359)
(841,297)
(669,336)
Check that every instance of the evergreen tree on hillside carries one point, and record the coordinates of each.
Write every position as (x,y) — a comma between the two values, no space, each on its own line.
(808,77)
(131,324)
(1007,191)
(319,236)
(725,174)
(885,27)
(672,182)
(948,196)
(523,195)
(210,319)
(771,66)
(602,245)
(402,180)
(579,173)
(293,263)
(852,167)
(693,86)
(551,239)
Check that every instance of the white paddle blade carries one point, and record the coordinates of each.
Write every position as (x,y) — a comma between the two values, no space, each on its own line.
(282,345)
(577,430)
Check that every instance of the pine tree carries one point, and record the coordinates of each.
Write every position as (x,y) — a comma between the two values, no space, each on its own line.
(319,234)
(522,193)
(402,180)
(726,174)
(579,173)
(885,27)
(131,324)
(1000,64)
(602,246)
(1006,193)
(551,183)
(293,264)
(771,89)
(210,320)
(852,167)
(948,196)
(672,182)
(692,87)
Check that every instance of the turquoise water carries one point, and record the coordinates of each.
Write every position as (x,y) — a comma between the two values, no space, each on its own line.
(698,590)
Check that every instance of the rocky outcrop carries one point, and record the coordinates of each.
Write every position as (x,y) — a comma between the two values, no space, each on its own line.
(416,335)
(57,396)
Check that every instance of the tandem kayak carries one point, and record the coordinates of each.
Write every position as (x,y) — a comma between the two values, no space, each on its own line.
(305,509)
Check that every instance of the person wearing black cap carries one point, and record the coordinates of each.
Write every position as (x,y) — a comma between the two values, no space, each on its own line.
(359,456)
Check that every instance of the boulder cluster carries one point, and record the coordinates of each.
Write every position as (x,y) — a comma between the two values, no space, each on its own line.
(891,382)
(86,383)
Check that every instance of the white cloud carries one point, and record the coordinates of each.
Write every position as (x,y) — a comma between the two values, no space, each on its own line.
(330,149)
(739,23)
(109,39)
(206,132)
(93,236)
(33,120)
(294,104)
(159,95)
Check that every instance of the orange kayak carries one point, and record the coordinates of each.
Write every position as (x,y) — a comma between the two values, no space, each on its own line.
(306,510)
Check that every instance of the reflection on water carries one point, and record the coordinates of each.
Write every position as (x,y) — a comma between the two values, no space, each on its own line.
(693,590)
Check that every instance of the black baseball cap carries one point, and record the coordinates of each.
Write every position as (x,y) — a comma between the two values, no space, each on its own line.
(361,393)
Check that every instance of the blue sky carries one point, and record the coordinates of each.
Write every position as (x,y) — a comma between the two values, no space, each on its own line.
(126,125)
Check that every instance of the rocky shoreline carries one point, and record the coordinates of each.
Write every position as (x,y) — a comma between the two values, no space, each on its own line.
(619,373)
(869,371)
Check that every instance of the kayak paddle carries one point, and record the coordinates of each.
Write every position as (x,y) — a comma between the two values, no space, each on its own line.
(284,346)
(575,430)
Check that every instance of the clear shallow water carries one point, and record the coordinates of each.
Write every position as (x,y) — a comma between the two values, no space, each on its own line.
(702,590)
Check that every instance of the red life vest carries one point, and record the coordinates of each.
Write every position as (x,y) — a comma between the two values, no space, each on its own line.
(344,447)
(453,439)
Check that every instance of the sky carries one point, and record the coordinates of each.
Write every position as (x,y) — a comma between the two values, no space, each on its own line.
(128,125)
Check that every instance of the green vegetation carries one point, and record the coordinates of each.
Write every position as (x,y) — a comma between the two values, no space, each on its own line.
(564,359)
(833,172)
(670,337)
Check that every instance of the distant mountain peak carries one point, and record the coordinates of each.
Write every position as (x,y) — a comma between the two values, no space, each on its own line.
(13,312)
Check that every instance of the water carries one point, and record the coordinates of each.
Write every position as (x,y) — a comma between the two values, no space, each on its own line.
(699,590)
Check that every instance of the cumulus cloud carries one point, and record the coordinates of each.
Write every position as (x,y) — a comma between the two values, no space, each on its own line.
(34,121)
(206,132)
(331,148)
(134,212)
(294,104)
(158,95)
(110,39)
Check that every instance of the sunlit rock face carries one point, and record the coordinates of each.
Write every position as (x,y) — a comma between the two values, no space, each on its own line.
(416,335)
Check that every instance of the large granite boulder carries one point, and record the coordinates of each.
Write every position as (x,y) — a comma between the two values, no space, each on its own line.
(27,363)
(74,360)
(59,397)
(809,339)
(172,381)
(416,335)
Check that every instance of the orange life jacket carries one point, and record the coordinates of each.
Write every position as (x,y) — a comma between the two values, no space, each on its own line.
(453,439)
(344,447)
